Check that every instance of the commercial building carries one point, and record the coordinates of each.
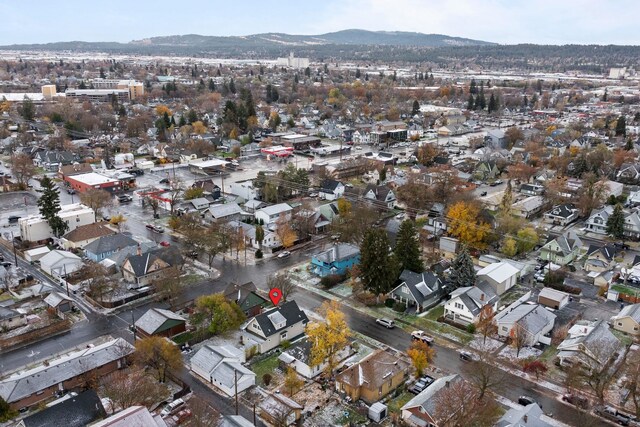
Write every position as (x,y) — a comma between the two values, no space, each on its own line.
(85,181)
(34,228)
(293,62)
(99,95)
(135,88)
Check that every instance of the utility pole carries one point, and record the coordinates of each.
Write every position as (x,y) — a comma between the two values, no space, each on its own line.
(15,254)
(235,376)
(133,327)
(65,278)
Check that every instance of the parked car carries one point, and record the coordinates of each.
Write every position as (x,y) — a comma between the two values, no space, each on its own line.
(421,384)
(14,218)
(612,414)
(71,191)
(420,335)
(484,193)
(125,198)
(170,407)
(466,356)
(165,244)
(387,323)
(106,218)
(164,181)
(526,400)
(576,400)
(6,264)
(155,228)
(284,254)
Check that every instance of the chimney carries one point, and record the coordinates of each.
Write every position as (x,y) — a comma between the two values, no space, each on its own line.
(481,297)
(446,384)
(525,418)
(139,251)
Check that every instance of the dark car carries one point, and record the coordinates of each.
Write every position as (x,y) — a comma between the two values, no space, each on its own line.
(155,228)
(484,193)
(6,264)
(164,181)
(466,356)
(71,191)
(526,400)
(14,219)
(576,400)
(125,198)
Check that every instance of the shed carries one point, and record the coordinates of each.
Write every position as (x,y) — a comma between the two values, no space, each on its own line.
(377,412)
(552,298)
(36,253)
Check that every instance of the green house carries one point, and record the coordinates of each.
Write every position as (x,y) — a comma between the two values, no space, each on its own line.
(562,250)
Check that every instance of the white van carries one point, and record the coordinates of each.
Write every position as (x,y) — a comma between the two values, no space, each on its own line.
(171,407)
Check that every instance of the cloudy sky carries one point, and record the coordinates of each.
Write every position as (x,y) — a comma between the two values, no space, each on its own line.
(501,21)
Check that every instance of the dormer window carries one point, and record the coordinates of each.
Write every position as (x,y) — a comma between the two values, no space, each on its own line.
(277,320)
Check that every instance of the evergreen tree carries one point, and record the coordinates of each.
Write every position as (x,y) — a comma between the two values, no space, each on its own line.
(378,268)
(102,76)
(416,108)
(357,73)
(82,85)
(483,100)
(462,272)
(525,101)
(470,102)
(28,109)
(539,86)
(307,72)
(122,112)
(621,126)
(615,223)
(492,104)
(182,121)
(166,119)
(232,86)
(534,100)
(473,89)
(507,200)
(605,96)
(49,205)
(192,116)
(629,145)
(407,250)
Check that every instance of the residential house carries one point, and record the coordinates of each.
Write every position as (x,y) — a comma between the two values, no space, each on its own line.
(532,189)
(246,297)
(527,416)
(627,320)
(225,212)
(465,303)
(267,330)
(329,211)
(419,290)
(28,387)
(274,406)
(597,222)
(552,298)
(85,234)
(160,322)
(375,376)
(501,276)
(562,215)
(563,249)
(143,269)
(336,260)
(600,258)
(420,411)
(59,304)
(486,171)
(76,411)
(270,214)
(299,355)
(380,195)
(590,344)
(251,206)
(52,160)
(496,138)
(208,187)
(105,246)
(331,189)
(222,367)
(629,173)
(11,319)
(244,189)
(270,240)
(529,207)
(59,263)
(532,319)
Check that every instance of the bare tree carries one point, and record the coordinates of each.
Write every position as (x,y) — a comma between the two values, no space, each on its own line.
(284,282)
(131,387)
(202,414)
(600,366)
(486,323)
(169,285)
(458,404)
(23,170)
(154,204)
(519,337)
(632,375)
(175,194)
(96,199)
(485,375)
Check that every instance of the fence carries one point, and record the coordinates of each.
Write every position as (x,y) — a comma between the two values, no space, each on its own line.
(50,330)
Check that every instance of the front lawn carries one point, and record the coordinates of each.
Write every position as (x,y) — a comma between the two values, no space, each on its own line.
(398,402)
(265,366)
(435,313)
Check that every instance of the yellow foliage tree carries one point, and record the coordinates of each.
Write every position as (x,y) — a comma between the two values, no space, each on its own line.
(233,134)
(161,109)
(466,226)
(421,355)
(344,206)
(291,381)
(5,106)
(285,233)
(199,127)
(159,354)
(509,246)
(328,337)
(118,220)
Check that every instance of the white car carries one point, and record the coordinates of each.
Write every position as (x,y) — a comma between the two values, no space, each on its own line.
(171,407)
(284,254)
(387,323)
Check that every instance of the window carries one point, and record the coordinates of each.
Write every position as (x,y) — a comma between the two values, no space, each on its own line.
(256,326)
(405,289)
(77,219)
(505,329)
(283,336)
(459,306)
(619,323)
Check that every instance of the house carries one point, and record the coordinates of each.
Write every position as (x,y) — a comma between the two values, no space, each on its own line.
(419,290)
(30,386)
(335,260)
(245,189)
(590,344)
(627,320)
(420,411)
(527,416)
(486,171)
(270,240)
(532,189)
(380,195)
(199,204)
(597,222)
(331,189)
(267,330)
(562,215)
(502,276)
(496,138)
(563,249)
(222,367)
(105,246)
(552,298)
(465,303)
(629,173)
(85,234)
(51,160)
(137,416)
(208,187)
(225,212)
(270,214)
(329,210)
(600,258)
(77,411)
(73,169)
(59,263)
(246,297)
(34,228)
(11,319)
(144,269)
(59,303)
(299,355)
(250,206)
(529,207)
(160,322)
(533,319)
(275,406)
(373,377)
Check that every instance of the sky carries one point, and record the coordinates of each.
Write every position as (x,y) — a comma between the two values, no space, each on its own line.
(500,21)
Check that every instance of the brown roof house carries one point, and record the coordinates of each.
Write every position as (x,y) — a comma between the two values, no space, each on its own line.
(160,322)
(373,377)
(85,234)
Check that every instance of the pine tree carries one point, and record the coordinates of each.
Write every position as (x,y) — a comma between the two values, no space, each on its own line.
(49,204)
(462,272)
(472,87)
(525,102)
(483,100)
(357,73)
(416,108)
(378,268)
(492,104)
(615,223)
(212,85)
(621,127)
(470,102)
(28,109)
(182,121)
(232,86)
(407,250)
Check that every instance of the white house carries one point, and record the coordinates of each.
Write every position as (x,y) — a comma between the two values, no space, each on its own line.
(331,189)
(502,276)
(244,189)
(299,354)
(562,214)
(34,228)
(221,366)
(60,263)
(467,302)
(528,207)
(535,320)
(597,222)
(267,330)
(270,214)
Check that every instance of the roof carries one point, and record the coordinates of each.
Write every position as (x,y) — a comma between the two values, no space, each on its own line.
(134,416)
(89,231)
(70,365)
(338,252)
(244,295)
(77,411)
(475,297)
(585,336)
(562,211)
(55,298)
(56,256)
(608,251)
(276,209)
(222,363)
(225,210)
(528,416)
(499,272)
(632,311)
(8,313)
(93,178)
(110,244)
(157,320)
(329,185)
(373,370)
(289,311)
(421,285)
(300,351)
(532,317)
(234,421)
(426,399)
(140,263)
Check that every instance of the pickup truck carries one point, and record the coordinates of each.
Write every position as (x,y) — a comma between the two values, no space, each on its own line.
(614,415)
(421,336)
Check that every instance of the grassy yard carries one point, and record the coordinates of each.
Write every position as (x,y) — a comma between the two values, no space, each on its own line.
(631,291)
(548,353)
(624,338)
(440,328)
(265,366)
(435,313)
(396,403)
(351,417)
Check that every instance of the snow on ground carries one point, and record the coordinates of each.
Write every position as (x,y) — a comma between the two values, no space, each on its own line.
(525,353)
(490,345)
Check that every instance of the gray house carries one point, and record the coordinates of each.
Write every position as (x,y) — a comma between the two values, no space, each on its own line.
(419,290)
(105,246)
